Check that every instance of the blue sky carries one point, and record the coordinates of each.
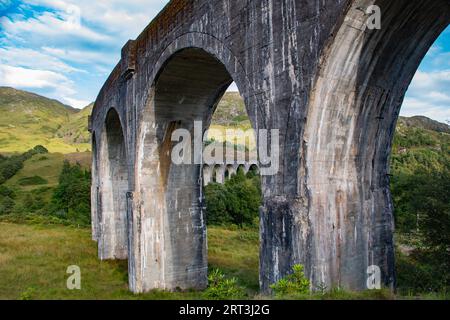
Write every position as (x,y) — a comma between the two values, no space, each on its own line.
(65,49)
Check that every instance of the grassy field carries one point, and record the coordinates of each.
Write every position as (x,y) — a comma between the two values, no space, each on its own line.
(34,260)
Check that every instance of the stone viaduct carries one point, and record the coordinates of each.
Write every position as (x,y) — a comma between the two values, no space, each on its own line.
(312,69)
(221,172)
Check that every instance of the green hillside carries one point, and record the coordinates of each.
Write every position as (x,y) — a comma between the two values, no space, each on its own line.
(75,131)
(27,120)
(231,112)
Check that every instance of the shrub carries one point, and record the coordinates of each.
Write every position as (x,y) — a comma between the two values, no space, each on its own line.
(237,201)
(7,192)
(422,272)
(10,166)
(221,288)
(216,205)
(293,285)
(7,205)
(7,202)
(243,199)
(28,294)
(72,197)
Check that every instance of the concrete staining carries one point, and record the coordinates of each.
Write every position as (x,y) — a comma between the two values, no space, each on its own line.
(310,68)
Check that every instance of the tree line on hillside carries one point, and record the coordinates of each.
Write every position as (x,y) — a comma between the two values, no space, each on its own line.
(420,184)
(9,166)
(69,202)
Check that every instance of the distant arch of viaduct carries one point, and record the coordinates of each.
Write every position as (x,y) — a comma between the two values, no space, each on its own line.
(309,68)
(219,173)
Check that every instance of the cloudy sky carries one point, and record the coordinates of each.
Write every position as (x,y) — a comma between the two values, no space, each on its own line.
(65,49)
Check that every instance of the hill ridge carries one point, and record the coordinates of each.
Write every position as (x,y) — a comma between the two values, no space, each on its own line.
(28,119)
(34,119)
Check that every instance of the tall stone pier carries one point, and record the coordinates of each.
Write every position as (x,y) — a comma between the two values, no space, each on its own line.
(315,70)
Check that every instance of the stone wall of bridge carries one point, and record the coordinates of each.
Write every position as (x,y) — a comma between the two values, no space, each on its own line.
(310,69)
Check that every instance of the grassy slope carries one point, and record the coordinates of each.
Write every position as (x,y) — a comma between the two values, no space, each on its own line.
(28,120)
(76,130)
(34,259)
(419,140)
(48,167)
(231,114)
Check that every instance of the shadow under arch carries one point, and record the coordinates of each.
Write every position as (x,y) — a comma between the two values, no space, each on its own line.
(113,188)
(186,90)
(353,110)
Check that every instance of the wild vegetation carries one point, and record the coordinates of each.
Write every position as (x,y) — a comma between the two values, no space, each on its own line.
(420,185)
(235,202)
(46,186)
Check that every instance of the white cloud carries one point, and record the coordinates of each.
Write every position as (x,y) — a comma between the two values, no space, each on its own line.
(86,57)
(57,85)
(79,104)
(30,78)
(429,95)
(413,107)
(29,58)
(233,88)
(77,41)
(49,27)
(122,18)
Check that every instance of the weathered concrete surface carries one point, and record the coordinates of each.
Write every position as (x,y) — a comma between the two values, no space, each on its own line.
(309,68)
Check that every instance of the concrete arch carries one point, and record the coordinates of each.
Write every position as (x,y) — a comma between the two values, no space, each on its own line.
(216,48)
(112,191)
(229,171)
(353,110)
(188,88)
(241,168)
(253,168)
(207,174)
(219,174)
